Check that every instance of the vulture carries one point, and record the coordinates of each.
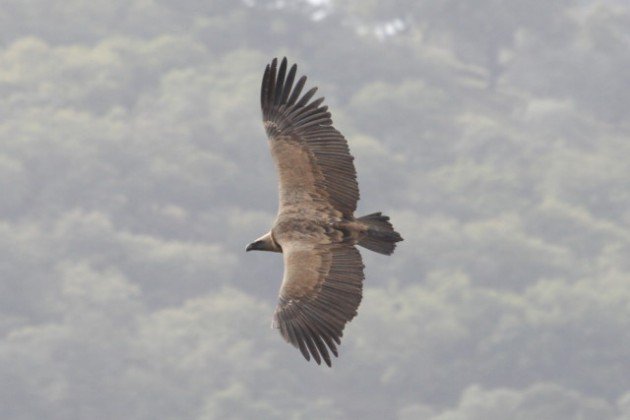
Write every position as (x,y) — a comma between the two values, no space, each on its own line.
(315,229)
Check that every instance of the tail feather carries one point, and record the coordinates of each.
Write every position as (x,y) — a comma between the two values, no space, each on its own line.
(381,236)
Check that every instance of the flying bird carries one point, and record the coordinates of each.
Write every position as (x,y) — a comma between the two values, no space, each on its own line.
(315,229)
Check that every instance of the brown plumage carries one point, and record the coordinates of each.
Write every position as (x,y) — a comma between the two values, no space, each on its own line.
(315,229)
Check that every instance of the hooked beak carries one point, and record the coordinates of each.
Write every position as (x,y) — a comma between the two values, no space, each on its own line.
(252,247)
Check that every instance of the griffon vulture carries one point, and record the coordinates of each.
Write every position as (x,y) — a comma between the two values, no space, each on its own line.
(315,229)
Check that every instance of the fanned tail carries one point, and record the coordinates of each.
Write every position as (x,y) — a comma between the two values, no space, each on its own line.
(381,236)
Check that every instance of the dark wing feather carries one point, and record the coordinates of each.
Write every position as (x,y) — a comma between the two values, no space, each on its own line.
(320,293)
(302,136)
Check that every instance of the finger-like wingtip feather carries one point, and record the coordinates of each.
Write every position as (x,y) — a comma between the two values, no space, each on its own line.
(297,91)
(288,84)
(272,81)
(278,91)
(264,89)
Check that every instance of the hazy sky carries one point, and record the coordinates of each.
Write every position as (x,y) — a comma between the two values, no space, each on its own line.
(134,170)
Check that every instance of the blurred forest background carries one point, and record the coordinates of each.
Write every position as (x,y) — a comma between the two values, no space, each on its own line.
(134,169)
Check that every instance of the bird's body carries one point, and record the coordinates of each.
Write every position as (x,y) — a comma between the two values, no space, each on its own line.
(315,229)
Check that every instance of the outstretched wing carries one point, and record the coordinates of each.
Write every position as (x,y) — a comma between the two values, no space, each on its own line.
(313,159)
(320,293)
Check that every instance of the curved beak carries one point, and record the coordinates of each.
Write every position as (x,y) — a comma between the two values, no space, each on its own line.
(252,247)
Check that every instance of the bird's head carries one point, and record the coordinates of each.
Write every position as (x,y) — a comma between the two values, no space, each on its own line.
(256,246)
(264,243)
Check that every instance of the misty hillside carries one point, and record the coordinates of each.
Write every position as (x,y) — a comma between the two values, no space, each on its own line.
(134,170)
